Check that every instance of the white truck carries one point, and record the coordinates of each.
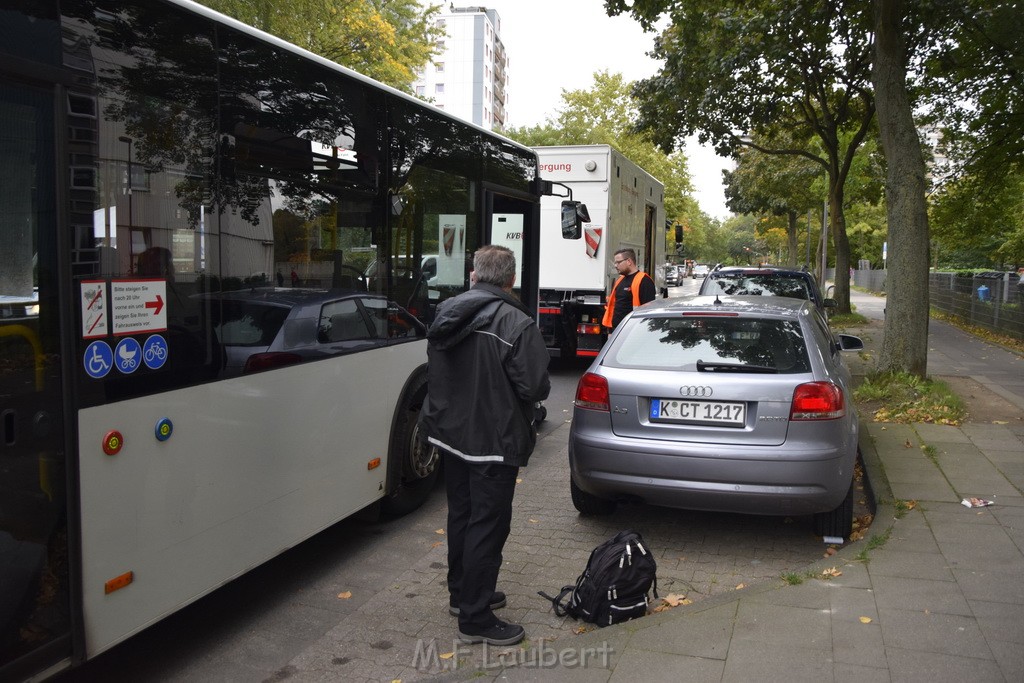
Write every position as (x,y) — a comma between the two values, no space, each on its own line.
(627,210)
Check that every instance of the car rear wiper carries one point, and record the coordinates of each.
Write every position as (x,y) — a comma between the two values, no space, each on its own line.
(734,367)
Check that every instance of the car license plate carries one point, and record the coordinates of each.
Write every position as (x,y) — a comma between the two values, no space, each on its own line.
(702,412)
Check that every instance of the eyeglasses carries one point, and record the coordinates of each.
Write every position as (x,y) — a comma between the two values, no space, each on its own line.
(621,260)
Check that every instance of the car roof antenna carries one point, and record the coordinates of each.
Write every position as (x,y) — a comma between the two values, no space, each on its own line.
(718,302)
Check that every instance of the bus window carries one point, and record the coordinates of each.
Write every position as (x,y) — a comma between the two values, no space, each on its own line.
(34,557)
(434,231)
(304,169)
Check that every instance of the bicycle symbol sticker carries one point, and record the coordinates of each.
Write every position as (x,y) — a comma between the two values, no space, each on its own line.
(128,355)
(154,351)
(98,359)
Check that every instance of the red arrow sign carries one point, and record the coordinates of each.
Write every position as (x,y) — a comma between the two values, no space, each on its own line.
(158,305)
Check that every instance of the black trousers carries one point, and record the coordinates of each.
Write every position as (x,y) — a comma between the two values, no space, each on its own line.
(479,519)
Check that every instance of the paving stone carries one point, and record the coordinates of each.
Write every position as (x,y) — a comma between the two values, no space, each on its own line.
(932,632)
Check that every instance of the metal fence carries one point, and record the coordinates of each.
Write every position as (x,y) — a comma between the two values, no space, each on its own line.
(994,300)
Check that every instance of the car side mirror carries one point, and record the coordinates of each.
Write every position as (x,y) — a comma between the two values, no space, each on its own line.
(829,303)
(574,215)
(848,342)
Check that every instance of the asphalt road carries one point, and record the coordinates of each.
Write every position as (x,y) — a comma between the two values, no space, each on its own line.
(281,618)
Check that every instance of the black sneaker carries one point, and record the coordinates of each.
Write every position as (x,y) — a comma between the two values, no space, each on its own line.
(497,602)
(500,633)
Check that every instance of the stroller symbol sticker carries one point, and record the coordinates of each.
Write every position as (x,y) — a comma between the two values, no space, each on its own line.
(128,355)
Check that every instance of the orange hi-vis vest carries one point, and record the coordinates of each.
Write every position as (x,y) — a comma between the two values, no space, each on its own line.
(634,287)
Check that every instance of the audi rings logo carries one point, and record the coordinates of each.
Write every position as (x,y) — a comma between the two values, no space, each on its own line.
(695,392)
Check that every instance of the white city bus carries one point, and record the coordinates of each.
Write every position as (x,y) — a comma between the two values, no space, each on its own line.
(196,373)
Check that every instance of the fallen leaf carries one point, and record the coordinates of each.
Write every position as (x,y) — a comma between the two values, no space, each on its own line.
(831,573)
(440,531)
(437,543)
(740,586)
(675,599)
(447,655)
(345,596)
(533,521)
(907,444)
(830,551)
(519,481)
(1000,422)
(580,630)
(865,620)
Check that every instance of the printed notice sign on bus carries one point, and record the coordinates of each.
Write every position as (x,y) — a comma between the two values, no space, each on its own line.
(138,306)
(94,309)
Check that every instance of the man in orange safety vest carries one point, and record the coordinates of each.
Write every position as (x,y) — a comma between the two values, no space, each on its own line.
(631,289)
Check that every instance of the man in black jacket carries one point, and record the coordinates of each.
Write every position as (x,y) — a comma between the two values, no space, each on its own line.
(486,370)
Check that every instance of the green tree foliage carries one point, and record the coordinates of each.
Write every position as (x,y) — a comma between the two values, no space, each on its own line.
(776,185)
(735,67)
(974,87)
(974,64)
(388,40)
(979,221)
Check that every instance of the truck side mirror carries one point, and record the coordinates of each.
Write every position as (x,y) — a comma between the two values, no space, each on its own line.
(574,215)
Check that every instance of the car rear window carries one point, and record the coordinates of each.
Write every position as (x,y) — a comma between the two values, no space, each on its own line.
(677,343)
(758,285)
(244,323)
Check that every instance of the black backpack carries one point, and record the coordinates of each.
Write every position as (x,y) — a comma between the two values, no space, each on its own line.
(614,586)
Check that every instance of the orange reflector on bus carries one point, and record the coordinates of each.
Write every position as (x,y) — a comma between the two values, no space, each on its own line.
(373,464)
(118,582)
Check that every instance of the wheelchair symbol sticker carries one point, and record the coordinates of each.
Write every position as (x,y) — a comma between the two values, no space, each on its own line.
(128,355)
(98,359)
(154,352)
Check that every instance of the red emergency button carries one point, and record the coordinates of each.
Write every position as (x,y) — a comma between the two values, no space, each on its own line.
(112,442)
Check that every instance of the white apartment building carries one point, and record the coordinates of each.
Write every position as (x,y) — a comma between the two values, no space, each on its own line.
(469,77)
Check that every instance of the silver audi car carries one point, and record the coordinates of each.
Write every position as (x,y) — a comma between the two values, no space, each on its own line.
(732,404)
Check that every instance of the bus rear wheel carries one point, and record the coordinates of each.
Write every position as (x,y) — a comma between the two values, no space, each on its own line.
(416,464)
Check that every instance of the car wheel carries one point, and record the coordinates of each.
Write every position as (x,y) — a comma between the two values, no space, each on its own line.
(417,463)
(838,522)
(588,504)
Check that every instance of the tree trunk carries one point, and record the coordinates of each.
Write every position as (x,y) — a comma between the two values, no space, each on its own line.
(905,345)
(793,246)
(841,244)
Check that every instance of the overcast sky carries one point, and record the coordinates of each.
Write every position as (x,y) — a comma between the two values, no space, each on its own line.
(558,44)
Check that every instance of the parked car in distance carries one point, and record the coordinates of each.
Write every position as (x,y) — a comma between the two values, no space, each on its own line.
(729,404)
(672,277)
(765,281)
(265,328)
(700,270)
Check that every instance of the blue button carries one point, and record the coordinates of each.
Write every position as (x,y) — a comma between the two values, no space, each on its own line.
(164,429)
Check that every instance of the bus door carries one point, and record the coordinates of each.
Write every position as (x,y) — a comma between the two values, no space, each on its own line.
(35,621)
(512,222)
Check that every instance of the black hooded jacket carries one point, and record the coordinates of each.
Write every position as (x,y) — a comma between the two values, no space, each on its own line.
(487,366)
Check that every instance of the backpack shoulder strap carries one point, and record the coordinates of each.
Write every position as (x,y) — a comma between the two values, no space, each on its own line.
(561,601)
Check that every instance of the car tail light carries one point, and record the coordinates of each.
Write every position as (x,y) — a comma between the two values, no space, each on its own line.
(592,392)
(588,328)
(817,401)
(258,362)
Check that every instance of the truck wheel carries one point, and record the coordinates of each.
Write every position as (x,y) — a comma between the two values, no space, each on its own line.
(837,522)
(588,504)
(416,463)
